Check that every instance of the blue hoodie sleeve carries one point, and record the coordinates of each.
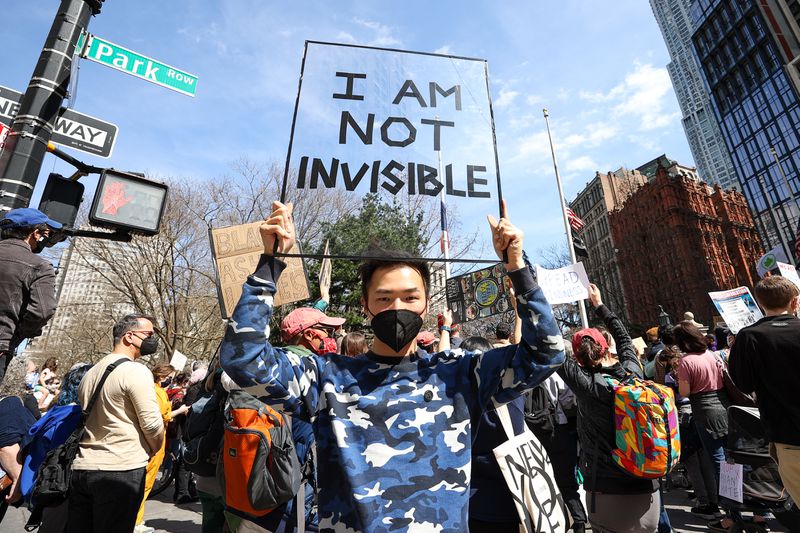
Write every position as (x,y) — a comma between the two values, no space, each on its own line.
(273,375)
(504,373)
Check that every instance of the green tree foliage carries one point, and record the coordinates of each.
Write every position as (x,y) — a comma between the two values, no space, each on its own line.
(377,225)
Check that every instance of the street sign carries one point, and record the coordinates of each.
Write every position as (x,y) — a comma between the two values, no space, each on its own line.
(73,129)
(117,57)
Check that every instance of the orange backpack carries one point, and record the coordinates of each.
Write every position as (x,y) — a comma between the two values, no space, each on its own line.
(259,467)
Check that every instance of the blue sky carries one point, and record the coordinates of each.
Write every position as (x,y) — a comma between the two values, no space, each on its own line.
(597,65)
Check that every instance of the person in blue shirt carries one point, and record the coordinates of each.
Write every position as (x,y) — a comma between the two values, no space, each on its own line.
(393,426)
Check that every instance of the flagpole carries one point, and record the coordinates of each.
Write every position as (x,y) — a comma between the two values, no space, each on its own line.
(445,230)
(567,228)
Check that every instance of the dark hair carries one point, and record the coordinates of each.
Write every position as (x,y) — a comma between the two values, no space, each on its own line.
(721,333)
(70,384)
(21,232)
(128,323)
(354,343)
(182,378)
(775,292)
(606,335)
(51,363)
(385,259)
(689,338)
(669,356)
(665,334)
(502,330)
(589,353)
(476,343)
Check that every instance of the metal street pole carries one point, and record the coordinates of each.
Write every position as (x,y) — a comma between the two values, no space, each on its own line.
(567,227)
(26,144)
(781,238)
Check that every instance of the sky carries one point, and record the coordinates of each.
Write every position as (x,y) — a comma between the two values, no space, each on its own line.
(597,65)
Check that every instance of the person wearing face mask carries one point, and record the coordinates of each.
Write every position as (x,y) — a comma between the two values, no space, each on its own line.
(27,281)
(124,429)
(394,426)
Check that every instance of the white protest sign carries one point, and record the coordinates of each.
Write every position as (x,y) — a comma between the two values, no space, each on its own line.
(731,481)
(564,285)
(407,126)
(737,307)
(769,260)
(789,272)
(178,361)
(529,475)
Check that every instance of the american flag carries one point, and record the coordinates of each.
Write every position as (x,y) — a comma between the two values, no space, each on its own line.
(797,245)
(574,220)
(445,240)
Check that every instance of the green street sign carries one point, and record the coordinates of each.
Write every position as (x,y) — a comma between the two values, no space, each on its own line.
(120,58)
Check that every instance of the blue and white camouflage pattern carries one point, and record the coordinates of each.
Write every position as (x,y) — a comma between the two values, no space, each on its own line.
(394,437)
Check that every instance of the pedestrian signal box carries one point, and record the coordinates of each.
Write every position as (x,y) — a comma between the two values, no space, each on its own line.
(128,202)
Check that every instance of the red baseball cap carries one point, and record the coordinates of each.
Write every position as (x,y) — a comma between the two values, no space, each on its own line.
(303,318)
(593,334)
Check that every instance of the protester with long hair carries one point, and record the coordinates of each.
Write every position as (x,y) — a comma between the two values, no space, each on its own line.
(700,379)
(617,501)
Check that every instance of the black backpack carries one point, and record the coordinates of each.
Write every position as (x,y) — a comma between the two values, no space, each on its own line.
(540,411)
(205,427)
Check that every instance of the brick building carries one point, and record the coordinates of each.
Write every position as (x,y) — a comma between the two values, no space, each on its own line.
(678,238)
(605,193)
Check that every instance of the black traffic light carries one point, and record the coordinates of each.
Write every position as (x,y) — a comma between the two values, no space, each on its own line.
(95,5)
(128,202)
(61,199)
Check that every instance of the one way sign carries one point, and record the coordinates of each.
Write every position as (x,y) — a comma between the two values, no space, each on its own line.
(73,129)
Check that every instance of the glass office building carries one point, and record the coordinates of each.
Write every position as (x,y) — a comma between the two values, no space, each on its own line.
(747,50)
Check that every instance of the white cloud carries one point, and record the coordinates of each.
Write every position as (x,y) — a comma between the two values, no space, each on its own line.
(583,162)
(443,50)
(345,37)
(506,98)
(384,35)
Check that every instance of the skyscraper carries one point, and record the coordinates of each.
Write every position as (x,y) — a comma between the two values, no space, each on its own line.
(702,130)
(749,51)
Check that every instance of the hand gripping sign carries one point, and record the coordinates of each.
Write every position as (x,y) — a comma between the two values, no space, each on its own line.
(408,126)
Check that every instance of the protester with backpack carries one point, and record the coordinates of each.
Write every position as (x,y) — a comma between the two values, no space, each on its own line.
(618,500)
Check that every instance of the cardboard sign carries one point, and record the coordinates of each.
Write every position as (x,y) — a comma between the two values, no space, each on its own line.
(731,481)
(236,251)
(325,269)
(178,361)
(479,294)
(737,307)
(564,285)
(406,125)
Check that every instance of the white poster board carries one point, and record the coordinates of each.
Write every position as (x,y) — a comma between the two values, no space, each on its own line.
(789,272)
(737,307)
(770,260)
(178,361)
(564,285)
(731,481)
(411,127)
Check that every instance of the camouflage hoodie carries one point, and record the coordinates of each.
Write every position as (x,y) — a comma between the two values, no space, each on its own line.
(394,436)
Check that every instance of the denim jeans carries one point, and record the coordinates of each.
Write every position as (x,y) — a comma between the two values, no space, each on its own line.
(104,502)
(716,450)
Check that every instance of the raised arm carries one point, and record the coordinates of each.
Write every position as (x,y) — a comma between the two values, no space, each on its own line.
(271,374)
(503,373)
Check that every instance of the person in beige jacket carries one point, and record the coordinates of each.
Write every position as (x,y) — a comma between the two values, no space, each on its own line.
(123,430)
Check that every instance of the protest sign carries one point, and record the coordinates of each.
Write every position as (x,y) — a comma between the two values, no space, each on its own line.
(789,272)
(640,345)
(236,251)
(731,481)
(479,294)
(528,472)
(769,260)
(564,285)
(326,268)
(178,361)
(409,126)
(737,307)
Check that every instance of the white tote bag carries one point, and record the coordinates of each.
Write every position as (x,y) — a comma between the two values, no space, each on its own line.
(529,476)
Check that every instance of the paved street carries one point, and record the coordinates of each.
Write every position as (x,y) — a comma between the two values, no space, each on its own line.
(166,517)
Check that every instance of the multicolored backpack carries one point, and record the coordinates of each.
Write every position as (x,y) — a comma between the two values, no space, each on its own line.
(647,442)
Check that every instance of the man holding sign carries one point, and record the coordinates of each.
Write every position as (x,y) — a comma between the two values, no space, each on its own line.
(393,427)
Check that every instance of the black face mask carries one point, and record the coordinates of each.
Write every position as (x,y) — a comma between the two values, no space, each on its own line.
(396,328)
(167,382)
(149,345)
(40,245)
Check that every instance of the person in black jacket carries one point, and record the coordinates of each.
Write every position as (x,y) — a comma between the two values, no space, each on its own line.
(765,359)
(27,282)
(617,500)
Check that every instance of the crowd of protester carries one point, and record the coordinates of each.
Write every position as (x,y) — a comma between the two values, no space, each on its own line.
(398,432)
